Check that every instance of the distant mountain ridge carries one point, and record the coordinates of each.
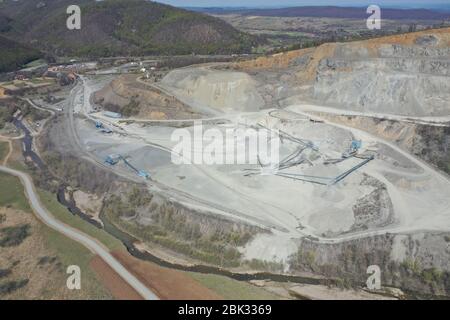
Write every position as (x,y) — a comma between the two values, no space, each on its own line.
(332,12)
(118,27)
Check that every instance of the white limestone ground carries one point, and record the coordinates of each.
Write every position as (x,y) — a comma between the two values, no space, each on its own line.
(263,247)
(214,90)
(289,208)
(398,80)
(400,83)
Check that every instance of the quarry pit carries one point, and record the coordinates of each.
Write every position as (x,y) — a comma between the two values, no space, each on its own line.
(350,170)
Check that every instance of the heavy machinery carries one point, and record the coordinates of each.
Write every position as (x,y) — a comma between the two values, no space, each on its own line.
(102,128)
(114,159)
(354,148)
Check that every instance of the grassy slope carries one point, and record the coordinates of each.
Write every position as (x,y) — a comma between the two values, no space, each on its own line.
(4,149)
(67,250)
(61,213)
(232,289)
(11,193)
(72,253)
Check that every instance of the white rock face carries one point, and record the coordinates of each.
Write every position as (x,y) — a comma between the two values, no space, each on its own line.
(224,91)
(400,80)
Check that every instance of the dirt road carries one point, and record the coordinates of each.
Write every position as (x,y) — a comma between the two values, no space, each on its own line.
(78,236)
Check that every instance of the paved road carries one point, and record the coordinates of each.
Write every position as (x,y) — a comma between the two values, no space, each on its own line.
(78,236)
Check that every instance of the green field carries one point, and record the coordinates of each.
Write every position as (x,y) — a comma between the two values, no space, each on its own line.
(19,166)
(36,63)
(4,149)
(68,251)
(12,194)
(232,289)
(62,214)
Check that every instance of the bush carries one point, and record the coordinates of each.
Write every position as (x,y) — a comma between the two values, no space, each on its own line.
(432,276)
(175,231)
(4,273)
(11,286)
(139,197)
(132,108)
(15,55)
(13,236)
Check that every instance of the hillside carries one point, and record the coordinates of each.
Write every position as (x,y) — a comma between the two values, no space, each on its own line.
(14,55)
(119,27)
(333,12)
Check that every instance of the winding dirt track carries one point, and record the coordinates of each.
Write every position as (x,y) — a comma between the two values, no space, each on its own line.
(78,236)
(8,155)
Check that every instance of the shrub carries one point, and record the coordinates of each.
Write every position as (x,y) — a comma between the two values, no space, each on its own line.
(11,286)
(13,236)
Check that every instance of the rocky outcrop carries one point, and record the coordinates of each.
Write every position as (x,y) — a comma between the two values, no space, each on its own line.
(374,209)
(214,90)
(132,98)
(400,80)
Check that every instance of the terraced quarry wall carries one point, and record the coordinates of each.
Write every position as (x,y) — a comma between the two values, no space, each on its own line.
(402,80)
(403,74)
(222,91)
(132,98)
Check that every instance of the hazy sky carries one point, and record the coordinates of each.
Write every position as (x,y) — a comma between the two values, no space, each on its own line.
(280,3)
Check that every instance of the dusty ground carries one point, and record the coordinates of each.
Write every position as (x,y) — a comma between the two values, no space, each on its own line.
(401,195)
(324,293)
(90,204)
(16,154)
(269,198)
(168,284)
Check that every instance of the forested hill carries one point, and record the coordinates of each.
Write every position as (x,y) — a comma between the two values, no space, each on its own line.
(119,27)
(14,55)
